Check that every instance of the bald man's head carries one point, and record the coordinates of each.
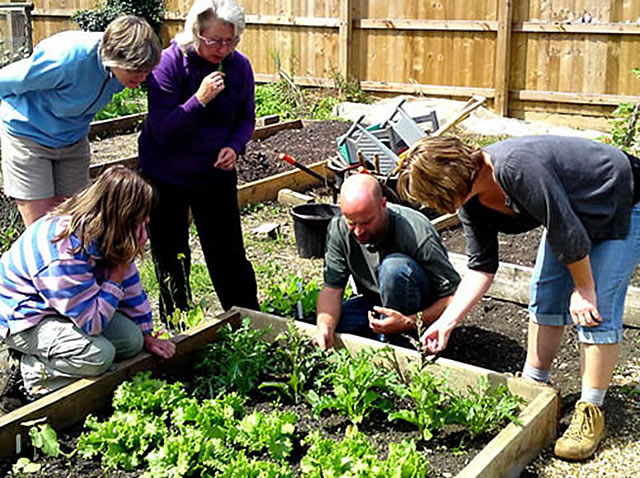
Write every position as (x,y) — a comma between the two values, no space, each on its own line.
(364,207)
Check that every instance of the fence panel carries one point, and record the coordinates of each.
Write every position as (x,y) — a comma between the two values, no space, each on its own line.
(535,58)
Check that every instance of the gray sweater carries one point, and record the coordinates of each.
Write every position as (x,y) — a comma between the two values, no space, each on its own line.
(580,190)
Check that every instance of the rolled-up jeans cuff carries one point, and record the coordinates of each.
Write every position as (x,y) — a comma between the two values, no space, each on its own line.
(586,336)
(550,319)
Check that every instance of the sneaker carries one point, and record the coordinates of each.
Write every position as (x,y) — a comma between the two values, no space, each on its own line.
(10,376)
(583,436)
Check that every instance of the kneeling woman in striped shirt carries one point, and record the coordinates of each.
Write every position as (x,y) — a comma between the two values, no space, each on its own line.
(71,300)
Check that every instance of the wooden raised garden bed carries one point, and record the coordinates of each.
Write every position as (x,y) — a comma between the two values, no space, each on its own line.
(505,455)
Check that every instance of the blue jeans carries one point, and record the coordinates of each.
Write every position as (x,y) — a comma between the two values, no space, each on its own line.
(404,286)
(613,263)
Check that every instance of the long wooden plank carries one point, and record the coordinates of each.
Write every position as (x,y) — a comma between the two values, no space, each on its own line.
(267,189)
(71,404)
(567,97)
(111,127)
(426,25)
(345,39)
(512,281)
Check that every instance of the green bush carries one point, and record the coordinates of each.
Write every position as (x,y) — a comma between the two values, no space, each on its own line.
(126,102)
(625,129)
(97,19)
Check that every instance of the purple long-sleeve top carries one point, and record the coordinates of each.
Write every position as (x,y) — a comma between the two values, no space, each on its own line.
(181,139)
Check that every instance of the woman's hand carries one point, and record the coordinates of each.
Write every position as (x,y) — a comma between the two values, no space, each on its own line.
(583,305)
(436,338)
(162,348)
(227,158)
(118,272)
(583,308)
(211,86)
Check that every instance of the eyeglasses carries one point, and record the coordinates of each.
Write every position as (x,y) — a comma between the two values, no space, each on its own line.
(219,43)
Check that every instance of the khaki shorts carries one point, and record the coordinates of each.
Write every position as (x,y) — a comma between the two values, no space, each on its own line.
(32,171)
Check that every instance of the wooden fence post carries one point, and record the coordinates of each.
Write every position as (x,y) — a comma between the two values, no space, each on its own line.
(19,27)
(503,57)
(345,38)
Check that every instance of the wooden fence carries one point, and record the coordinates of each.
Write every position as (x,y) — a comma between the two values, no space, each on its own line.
(532,59)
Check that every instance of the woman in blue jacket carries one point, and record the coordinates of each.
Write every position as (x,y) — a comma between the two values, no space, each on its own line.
(49,99)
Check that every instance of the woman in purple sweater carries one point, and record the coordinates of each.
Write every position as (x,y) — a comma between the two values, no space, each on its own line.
(201,115)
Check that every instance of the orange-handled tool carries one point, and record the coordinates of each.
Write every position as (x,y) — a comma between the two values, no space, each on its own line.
(289,159)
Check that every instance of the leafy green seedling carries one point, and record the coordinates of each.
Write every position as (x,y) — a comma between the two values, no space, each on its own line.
(43,438)
(298,361)
(237,362)
(427,395)
(358,385)
(25,466)
(484,409)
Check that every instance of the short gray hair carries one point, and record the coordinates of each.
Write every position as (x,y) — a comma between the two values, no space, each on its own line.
(130,43)
(202,13)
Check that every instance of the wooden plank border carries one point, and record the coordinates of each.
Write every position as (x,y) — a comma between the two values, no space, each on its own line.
(512,281)
(513,448)
(71,404)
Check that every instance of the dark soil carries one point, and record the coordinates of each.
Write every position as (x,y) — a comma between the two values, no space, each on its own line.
(315,142)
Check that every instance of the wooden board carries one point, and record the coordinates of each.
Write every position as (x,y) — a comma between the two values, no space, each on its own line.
(267,189)
(512,283)
(71,404)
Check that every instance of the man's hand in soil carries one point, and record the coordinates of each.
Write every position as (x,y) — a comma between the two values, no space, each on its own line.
(162,348)
(390,321)
(437,336)
(323,337)
(226,159)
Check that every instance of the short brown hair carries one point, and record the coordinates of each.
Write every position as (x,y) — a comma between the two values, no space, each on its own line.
(108,212)
(130,43)
(439,171)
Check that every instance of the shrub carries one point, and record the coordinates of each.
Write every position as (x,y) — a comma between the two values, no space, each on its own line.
(625,130)
(97,19)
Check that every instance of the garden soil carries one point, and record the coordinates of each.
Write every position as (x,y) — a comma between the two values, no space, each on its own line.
(492,336)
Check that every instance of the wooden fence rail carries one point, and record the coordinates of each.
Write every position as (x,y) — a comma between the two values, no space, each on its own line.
(568,59)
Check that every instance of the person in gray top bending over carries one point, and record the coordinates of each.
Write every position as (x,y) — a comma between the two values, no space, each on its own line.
(398,263)
(585,194)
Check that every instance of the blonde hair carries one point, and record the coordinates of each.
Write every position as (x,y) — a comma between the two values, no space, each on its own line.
(130,43)
(439,172)
(202,13)
(108,212)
